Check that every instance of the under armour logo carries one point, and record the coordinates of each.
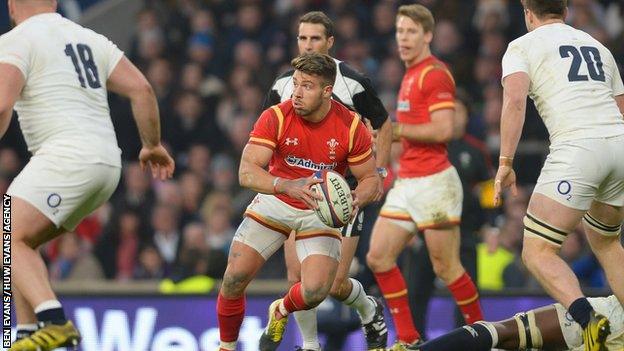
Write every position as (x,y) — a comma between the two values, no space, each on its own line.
(293,141)
(394,310)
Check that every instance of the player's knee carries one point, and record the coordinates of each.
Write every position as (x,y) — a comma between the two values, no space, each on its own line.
(340,285)
(234,283)
(315,293)
(293,276)
(378,263)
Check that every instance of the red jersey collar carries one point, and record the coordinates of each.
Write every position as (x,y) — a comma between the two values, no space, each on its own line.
(429,59)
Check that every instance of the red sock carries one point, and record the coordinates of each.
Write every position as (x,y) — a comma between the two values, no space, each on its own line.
(467,298)
(392,286)
(293,301)
(230,314)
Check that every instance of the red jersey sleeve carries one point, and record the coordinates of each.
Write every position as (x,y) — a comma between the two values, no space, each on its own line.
(438,89)
(265,130)
(360,143)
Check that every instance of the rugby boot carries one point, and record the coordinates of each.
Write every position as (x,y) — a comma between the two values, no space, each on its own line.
(274,331)
(596,333)
(49,337)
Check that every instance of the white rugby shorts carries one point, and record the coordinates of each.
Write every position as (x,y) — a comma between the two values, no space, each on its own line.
(609,307)
(425,202)
(578,172)
(65,190)
(269,221)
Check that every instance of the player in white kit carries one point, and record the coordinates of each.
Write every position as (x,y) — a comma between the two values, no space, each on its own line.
(577,89)
(55,74)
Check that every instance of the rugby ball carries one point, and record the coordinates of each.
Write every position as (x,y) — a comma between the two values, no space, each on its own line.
(337,204)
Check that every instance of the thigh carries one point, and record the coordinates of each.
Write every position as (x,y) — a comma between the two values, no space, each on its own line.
(313,237)
(553,213)
(318,246)
(603,224)
(388,239)
(319,268)
(435,201)
(244,262)
(611,191)
(573,173)
(443,244)
(62,190)
(293,266)
(28,224)
(347,251)
(105,179)
(264,240)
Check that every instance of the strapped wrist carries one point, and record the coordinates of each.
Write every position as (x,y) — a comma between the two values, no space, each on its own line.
(275,181)
(505,161)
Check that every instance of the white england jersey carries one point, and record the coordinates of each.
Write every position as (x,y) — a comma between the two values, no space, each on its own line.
(574,79)
(63,109)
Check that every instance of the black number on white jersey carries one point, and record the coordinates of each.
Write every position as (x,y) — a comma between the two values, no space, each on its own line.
(88,65)
(592,59)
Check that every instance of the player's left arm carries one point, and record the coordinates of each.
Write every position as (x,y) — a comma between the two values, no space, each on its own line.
(362,165)
(11,86)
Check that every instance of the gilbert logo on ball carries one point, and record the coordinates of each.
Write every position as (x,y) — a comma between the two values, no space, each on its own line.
(337,204)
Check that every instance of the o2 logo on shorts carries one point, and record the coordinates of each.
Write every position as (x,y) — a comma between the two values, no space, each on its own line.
(564,188)
(54,200)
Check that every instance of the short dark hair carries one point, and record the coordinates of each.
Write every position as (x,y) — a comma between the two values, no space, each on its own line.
(316,64)
(318,17)
(546,8)
(419,14)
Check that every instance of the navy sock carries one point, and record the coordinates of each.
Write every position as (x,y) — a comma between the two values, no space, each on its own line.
(581,310)
(22,333)
(473,337)
(52,315)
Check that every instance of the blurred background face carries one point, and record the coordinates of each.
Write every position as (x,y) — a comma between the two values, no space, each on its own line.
(307,93)
(411,39)
(311,38)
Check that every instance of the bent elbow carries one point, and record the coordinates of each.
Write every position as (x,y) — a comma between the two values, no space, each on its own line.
(445,135)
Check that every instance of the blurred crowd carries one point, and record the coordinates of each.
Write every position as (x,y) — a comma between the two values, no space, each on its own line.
(211,64)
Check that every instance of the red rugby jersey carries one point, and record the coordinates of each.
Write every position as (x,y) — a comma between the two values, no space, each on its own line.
(301,148)
(427,86)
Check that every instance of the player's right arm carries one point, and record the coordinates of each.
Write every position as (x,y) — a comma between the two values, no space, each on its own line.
(128,81)
(257,154)
(15,58)
(11,85)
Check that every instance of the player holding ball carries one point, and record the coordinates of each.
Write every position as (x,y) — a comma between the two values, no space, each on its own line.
(308,133)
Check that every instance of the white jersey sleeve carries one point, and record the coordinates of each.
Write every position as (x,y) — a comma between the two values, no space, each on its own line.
(114,56)
(15,52)
(515,60)
(616,83)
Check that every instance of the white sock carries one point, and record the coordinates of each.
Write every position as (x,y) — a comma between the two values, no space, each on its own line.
(27,327)
(363,305)
(48,305)
(227,345)
(282,309)
(306,320)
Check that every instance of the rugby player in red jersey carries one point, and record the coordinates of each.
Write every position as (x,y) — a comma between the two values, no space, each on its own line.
(296,138)
(427,195)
